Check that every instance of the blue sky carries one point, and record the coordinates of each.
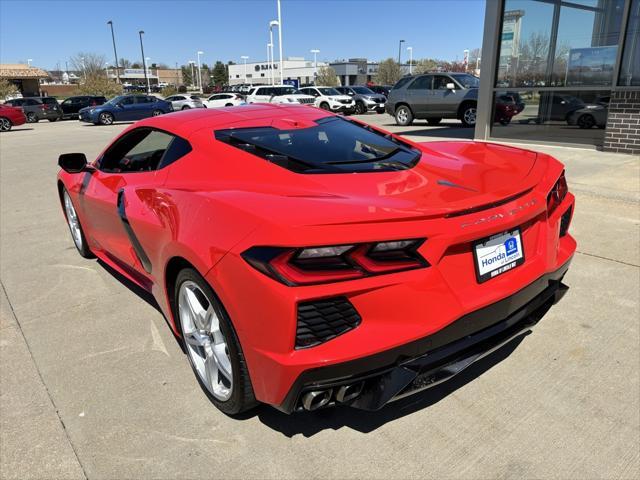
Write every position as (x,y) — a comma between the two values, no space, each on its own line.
(225,30)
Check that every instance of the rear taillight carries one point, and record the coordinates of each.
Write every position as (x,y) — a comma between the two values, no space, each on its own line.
(44,106)
(557,194)
(313,265)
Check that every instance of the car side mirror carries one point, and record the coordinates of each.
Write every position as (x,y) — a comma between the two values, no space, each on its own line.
(73,162)
(451,86)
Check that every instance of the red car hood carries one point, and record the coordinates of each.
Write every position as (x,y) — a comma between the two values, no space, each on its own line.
(451,176)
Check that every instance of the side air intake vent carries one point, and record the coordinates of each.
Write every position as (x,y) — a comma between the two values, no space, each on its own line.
(322,320)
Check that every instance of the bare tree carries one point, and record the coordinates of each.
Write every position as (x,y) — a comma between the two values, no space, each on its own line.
(327,76)
(388,72)
(425,65)
(90,64)
(125,63)
(7,89)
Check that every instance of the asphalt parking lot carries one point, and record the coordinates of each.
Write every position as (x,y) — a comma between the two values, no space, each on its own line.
(93,384)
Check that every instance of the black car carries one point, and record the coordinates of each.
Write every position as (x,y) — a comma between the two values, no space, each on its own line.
(38,108)
(381,89)
(72,105)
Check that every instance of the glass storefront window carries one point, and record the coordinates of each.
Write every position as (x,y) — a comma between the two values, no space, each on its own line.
(554,116)
(524,43)
(547,43)
(630,68)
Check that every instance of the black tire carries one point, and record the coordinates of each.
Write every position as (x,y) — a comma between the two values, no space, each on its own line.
(83,249)
(32,117)
(505,121)
(185,107)
(5,124)
(229,105)
(324,106)
(434,121)
(380,111)
(157,113)
(404,116)
(53,119)
(242,397)
(106,118)
(468,114)
(586,121)
(360,108)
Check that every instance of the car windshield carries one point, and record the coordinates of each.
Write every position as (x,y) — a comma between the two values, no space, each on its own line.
(466,80)
(333,145)
(329,91)
(115,100)
(362,90)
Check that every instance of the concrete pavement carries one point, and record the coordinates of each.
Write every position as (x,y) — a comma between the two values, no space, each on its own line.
(93,384)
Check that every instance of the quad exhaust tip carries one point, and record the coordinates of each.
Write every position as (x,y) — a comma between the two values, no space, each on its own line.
(316,399)
(346,393)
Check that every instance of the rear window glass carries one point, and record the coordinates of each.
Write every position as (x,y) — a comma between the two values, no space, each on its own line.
(49,100)
(334,145)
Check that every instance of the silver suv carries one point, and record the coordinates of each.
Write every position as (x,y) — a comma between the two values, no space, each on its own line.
(366,99)
(434,96)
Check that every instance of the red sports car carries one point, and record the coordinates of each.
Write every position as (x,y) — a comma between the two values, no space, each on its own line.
(305,259)
(10,116)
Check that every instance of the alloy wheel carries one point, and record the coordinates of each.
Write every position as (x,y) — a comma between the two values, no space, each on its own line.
(31,117)
(469,116)
(586,121)
(72,220)
(206,344)
(106,118)
(157,113)
(5,125)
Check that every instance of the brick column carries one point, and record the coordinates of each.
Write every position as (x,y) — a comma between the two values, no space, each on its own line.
(623,123)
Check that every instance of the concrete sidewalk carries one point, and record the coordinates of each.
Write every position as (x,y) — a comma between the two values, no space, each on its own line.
(93,384)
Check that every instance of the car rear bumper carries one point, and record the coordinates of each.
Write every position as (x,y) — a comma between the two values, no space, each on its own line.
(376,380)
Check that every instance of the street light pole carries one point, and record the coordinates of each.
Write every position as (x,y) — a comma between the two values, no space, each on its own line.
(115,53)
(280,44)
(200,71)
(272,23)
(315,64)
(144,63)
(270,73)
(244,57)
(29,60)
(400,51)
(410,59)
(148,79)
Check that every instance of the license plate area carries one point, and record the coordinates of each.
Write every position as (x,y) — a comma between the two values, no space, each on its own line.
(497,254)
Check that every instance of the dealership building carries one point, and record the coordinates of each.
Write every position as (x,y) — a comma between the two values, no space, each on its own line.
(259,73)
(573,64)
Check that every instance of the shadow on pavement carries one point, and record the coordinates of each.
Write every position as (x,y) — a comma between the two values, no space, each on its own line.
(115,124)
(311,423)
(139,291)
(18,130)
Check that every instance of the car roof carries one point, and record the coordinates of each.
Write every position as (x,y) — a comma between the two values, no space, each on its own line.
(185,123)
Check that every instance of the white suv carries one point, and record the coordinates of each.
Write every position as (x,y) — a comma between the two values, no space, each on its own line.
(278,94)
(328,98)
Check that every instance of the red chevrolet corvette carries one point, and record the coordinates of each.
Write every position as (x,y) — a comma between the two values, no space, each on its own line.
(306,260)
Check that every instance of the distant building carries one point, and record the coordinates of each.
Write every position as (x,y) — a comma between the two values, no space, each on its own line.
(259,73)
(26,78)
